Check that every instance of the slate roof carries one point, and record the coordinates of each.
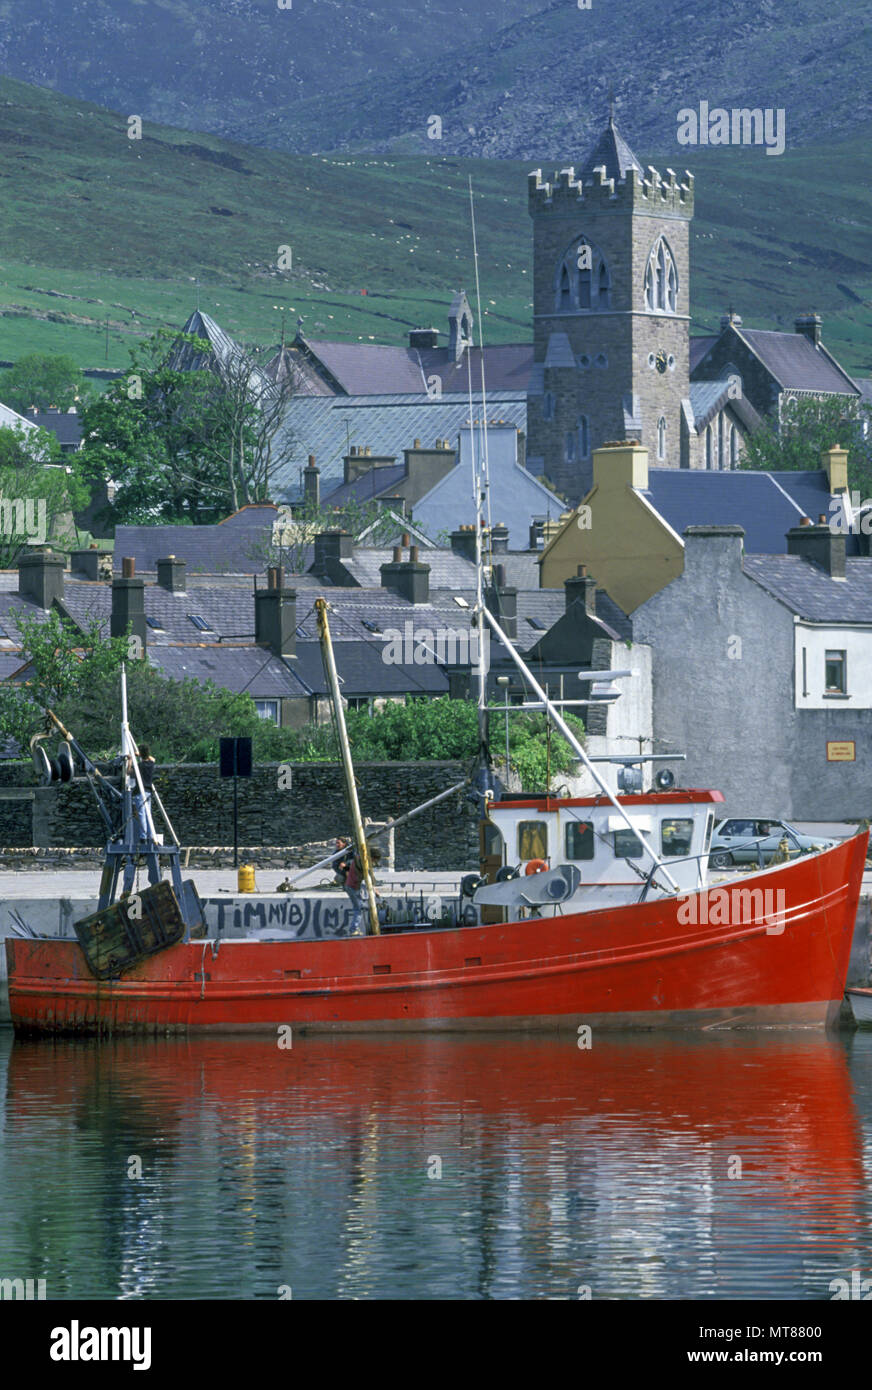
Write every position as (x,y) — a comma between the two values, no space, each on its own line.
(447,570)
(366,369)
(374,483)
(809,592)
(363,671)
(708,397)
(612,151)
(765,504)
(65,424)
(250,670)
(795,361)
(699,347)
(231,546)
(326,425)
(218,346)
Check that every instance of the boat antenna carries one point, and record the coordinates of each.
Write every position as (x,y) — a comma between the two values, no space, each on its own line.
(486,461)
(479,492)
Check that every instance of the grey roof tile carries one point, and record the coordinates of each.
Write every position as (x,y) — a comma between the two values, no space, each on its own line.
(809,592)
(765,504)
(795,361)
(326,425)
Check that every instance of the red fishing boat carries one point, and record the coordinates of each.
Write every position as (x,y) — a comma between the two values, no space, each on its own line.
(761,950)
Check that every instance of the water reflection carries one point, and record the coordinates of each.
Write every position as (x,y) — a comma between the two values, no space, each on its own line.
(653,1168)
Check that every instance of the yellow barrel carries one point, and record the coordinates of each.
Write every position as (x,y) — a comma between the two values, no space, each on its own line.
(245,879)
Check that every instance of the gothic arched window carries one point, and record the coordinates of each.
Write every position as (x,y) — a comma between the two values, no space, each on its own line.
(583,281)
(708,446)
(661,279)
(569,447)
(661,437)
(583,437)
(548,406)
(734,447)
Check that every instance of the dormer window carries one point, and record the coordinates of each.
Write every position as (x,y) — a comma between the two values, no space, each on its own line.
(583,282)
(661,279)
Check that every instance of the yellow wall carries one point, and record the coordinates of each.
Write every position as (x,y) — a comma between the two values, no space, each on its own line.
(627,548)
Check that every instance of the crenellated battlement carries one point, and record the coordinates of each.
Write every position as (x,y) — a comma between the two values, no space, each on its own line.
(564,193)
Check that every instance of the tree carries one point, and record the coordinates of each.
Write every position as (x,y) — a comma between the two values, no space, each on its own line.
(40,488)
(186,438)
(808,427)
(63,661)
(43,380)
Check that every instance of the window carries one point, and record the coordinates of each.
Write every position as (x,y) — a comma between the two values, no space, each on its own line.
(359,702)
(708,446)
(583,437)
(661,437)
(532,839)
(548,406)
(734,828)
(734,447)
(569,447)
(675,837)
(601,360)
(583,281)
(661,279)
(835,673)
(199,623)
(627,845)
(721,454)
(579,840)
(267,709)
(709,827)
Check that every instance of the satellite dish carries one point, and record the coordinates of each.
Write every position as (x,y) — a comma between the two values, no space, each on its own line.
(664,779)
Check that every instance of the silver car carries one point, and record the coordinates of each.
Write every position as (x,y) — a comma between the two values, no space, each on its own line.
(743,841)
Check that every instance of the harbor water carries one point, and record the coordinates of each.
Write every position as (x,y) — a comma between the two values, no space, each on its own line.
(432,1168)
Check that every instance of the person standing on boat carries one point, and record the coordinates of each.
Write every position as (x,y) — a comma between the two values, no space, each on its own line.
(143,824)
(355,888)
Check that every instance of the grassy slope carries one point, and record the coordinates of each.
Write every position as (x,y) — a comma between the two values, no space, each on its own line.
(118,228)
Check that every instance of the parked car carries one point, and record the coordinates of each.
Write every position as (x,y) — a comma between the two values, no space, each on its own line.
(736,841)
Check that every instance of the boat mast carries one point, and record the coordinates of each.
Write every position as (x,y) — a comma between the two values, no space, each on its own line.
(480,496)
(347,766)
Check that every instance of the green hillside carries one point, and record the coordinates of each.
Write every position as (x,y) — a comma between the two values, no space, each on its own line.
(98,229)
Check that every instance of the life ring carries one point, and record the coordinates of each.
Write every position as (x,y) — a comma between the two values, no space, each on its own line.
(536,866)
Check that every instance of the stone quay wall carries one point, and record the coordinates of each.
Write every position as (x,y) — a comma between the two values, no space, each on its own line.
(277,818)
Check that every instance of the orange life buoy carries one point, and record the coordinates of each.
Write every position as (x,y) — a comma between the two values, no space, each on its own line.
(536,866)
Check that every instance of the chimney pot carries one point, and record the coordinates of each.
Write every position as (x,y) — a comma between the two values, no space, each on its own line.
(398,555)
(128,567)
(171,574)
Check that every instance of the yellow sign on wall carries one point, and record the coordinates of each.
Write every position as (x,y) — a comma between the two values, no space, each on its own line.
(841,752)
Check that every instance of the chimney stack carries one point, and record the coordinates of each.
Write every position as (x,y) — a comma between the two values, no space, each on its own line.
(128,604)
(331,548)
(41,576)
(409,577)
(820,545)
(275,614)
(502,600)
(580,588)
(499,538)
(86,563)
(171,574)
(463,542)
(809,325)
(312,483)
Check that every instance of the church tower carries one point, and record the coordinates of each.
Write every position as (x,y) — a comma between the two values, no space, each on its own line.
(611,308)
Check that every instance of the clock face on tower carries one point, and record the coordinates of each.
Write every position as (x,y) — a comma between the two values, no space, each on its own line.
(661,360)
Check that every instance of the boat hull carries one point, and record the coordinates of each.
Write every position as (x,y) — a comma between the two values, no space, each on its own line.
(687,962)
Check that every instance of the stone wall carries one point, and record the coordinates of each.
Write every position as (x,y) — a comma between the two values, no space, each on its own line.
(200,805)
